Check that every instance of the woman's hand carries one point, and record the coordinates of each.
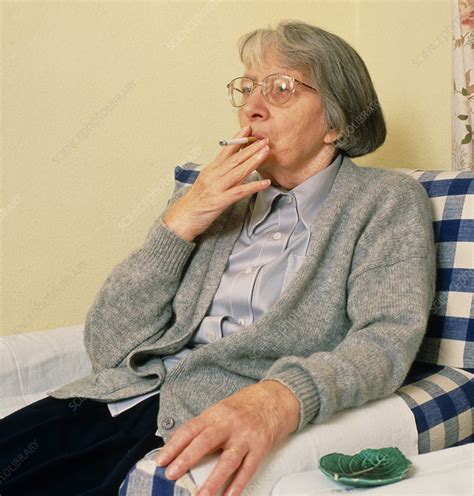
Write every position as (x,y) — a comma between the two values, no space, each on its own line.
(218,186)
(246,425)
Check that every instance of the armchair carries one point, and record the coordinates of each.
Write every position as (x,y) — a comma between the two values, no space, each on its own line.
(432,410)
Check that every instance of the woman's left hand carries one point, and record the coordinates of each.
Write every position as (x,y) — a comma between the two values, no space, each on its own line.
(244,425)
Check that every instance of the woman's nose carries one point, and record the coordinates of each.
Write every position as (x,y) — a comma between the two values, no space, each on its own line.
(256,104)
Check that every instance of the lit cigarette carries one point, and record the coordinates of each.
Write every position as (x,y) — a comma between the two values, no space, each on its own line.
(237,141)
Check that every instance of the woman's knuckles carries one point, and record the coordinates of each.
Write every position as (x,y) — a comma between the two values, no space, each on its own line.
(210,438)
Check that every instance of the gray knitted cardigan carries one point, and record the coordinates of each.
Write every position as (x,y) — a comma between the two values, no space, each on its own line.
(344,332)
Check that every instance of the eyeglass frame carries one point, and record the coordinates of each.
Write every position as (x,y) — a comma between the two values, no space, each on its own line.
(255,84)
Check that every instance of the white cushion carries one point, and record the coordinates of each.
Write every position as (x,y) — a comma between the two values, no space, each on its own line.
(32,363)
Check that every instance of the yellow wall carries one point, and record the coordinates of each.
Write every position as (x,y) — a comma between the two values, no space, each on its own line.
(101,100)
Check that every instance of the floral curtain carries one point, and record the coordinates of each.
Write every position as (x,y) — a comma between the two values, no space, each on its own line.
(463,75)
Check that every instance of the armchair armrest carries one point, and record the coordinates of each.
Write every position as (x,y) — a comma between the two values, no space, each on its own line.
(32,363)
(377,424)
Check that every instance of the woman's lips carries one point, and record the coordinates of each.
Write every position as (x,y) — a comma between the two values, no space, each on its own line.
(253,135)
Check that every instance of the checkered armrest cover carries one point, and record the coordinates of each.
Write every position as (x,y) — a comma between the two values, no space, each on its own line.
(145,478)
(449,339)
(441,400)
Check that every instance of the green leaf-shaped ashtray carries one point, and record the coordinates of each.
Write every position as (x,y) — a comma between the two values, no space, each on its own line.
(370,467)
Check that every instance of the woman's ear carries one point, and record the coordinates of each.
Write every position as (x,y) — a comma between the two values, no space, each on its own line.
(331,136)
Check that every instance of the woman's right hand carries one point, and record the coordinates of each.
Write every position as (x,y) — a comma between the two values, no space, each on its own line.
(218,185)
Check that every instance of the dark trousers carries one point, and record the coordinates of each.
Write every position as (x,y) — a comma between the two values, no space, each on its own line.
(73,446)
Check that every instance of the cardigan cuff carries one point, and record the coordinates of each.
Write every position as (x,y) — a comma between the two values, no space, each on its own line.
(163,246)
(302,386)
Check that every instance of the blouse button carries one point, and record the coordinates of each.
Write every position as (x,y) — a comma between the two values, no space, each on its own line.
(277,235)
(248,270)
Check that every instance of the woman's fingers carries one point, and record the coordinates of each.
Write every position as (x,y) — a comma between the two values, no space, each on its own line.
(245,472)
(240,171)
(240,190)
(234,155)
(207,441)
(243,157)
(229,462)
(234,172)
(179,440)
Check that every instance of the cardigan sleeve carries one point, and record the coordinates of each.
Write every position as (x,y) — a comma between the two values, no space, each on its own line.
(135,302)
(389,294)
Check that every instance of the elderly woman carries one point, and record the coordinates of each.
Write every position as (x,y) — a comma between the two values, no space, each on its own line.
(259,302)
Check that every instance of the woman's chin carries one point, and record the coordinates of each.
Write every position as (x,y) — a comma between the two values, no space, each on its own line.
(269,165)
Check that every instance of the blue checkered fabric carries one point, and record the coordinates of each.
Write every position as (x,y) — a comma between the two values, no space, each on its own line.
(449,339)
(186,173)
(146,478)
(442,402)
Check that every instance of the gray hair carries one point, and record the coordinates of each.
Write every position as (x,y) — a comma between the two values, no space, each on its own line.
(336,70)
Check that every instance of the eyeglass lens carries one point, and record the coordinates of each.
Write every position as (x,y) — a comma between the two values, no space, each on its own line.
(277,89)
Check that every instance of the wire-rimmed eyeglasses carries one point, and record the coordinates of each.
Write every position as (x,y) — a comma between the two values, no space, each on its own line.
(276,88)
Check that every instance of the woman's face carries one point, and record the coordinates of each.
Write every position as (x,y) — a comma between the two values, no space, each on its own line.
(299,146)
